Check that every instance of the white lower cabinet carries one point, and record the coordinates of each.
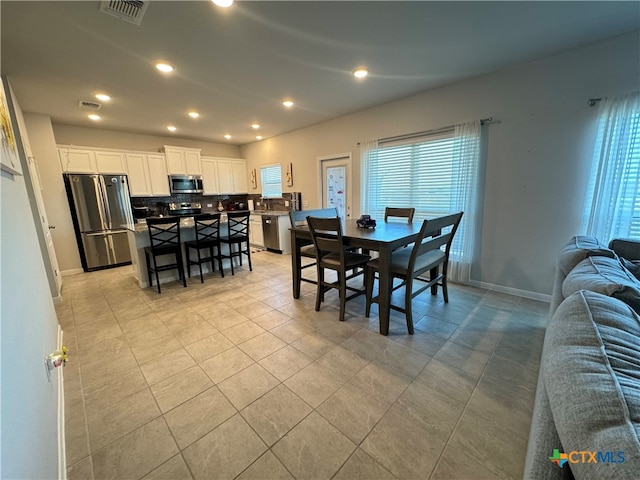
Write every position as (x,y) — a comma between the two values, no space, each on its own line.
(256,236)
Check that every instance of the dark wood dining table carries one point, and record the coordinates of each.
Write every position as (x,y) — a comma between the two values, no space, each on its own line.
(384,239)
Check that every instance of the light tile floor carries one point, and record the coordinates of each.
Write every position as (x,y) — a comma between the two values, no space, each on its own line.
(234,378)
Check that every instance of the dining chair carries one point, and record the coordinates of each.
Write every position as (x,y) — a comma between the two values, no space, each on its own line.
(331,254)
(207,230)
(238,235)
(298,218)
(392,212)
(409,264)
(164,239)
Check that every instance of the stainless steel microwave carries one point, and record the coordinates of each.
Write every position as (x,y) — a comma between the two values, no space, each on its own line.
(185,183)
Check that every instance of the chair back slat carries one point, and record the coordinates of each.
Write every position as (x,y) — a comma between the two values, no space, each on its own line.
(207,227)
(238,224)
(399,213)
(432,237)
(164,232)
(299,217)
(327,235)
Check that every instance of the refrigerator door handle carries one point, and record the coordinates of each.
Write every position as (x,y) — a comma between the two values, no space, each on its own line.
(102,213)
(105,202)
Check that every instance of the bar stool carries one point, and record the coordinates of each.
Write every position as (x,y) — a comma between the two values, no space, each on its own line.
(207,227)
(164,239)
(238,235)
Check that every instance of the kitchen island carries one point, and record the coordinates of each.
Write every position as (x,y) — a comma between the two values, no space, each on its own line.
(138,236)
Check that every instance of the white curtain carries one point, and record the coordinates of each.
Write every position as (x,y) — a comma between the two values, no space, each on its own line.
(614,192)
(367,151)
(465,198)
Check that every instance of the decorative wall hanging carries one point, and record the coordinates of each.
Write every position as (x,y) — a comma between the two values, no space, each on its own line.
(254,182)
(289,175)
(10,161)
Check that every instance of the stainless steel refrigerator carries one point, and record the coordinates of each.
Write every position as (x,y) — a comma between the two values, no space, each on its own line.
(100,206)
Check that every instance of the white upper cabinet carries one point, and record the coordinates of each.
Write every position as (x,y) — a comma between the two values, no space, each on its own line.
(73,160)
(225,176)
(232,176)
(183,161)
(210,176)
(240,177)
(158,175)
(139,185)
(110,162)
(147,175)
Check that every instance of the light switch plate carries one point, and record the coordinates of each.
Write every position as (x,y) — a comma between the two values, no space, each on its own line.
(286,203)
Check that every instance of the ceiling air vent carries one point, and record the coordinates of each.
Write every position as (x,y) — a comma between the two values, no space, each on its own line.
(130,11)
(83,104)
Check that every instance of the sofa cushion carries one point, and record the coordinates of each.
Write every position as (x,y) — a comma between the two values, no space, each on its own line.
(632,265)
(579,248)
(606,276)
(591,369)
(628,248)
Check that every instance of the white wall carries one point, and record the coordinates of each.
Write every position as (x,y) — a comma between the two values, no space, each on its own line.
(28,332)
(538,150)
(43,146)
(95,137)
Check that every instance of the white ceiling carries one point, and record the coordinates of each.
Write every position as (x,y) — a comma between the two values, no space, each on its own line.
(235,65)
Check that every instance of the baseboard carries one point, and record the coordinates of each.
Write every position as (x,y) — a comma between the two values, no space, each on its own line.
(73,271)
(57,300)
(512,291)
(62,456)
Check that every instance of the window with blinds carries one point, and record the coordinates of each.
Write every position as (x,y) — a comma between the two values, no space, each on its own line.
(420,174)
(612,207)
(633,175)
(271,179)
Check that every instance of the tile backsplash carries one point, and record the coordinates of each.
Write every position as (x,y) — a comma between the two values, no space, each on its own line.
(160,205)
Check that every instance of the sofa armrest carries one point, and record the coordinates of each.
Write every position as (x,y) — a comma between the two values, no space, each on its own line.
(626,248)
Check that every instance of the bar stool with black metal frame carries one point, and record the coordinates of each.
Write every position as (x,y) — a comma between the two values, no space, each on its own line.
(238,235)
(164,239)
(207,229)
(332,254)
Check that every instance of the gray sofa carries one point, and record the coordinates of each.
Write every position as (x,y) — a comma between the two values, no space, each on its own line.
(586,418)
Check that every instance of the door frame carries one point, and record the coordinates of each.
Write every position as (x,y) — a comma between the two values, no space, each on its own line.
(346,157)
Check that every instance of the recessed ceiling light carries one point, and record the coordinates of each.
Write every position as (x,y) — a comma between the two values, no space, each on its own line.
(223,3)
(227,136)
(193,114)
(360,72)
(164,67)
(103,96)
(287,103)
(171,128)
(94,117)
(259,137)
(255,126)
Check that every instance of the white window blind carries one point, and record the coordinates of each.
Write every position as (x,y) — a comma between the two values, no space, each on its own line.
(437,174)
(612,207)
(271,179)
(418,175)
